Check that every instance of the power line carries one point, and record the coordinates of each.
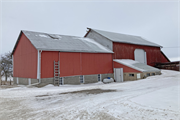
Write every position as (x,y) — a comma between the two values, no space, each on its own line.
(172,47)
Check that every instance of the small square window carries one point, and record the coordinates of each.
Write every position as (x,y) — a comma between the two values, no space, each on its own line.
(153,73)
(132,75)
(148,74)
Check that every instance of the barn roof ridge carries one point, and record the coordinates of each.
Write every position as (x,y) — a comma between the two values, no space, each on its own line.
(114,32)
(124,38)
(47,33)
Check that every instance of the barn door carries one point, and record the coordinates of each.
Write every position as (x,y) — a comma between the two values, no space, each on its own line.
(118,74)
(140,55)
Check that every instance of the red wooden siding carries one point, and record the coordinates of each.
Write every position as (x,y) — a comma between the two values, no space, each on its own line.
(47,63)
(163,58)
(72,63)
(126,69)
(126,51)
(25,59)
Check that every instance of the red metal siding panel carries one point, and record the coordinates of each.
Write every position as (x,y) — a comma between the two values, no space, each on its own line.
(25,59)
(85,63)
(70,64)
(47,63)
(126,69)
(126,51)
(100,63)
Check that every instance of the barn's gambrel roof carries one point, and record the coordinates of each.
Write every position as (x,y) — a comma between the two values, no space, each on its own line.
(63,43)
(124,38)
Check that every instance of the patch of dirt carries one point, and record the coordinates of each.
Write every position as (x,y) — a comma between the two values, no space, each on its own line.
(42,95)
(91,91)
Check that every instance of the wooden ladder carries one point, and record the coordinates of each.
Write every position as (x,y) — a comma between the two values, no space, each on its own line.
(56,73)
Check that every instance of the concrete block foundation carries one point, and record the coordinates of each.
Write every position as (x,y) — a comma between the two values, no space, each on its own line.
(127,77)
(90,79)
(47,80)
(73,80)
(24,81)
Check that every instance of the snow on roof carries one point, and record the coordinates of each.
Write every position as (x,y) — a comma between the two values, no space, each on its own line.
(88,40)
(136,65)
(55,42)
(41,35)
(123,38)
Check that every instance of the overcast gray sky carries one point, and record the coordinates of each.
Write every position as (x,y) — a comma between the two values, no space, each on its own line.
(157,21)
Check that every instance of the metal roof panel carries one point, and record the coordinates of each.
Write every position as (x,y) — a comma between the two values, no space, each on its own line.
(55,42)
(136,65)
(123,38)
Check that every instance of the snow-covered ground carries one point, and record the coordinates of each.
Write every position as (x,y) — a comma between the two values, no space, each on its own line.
(8,79)
(153,98)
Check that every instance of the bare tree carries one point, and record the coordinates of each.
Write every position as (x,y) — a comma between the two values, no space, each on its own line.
(1,74)
(6,68)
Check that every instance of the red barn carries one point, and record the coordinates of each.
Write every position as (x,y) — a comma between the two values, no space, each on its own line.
(59,59)
(129,47)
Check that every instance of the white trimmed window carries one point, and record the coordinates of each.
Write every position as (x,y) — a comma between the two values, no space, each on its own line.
(153,73)
(131,75)
(148,74)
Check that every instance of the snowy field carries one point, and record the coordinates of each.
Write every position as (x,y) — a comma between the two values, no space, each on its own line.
(153,98)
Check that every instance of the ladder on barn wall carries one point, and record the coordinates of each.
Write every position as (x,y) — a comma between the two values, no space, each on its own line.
(56,73)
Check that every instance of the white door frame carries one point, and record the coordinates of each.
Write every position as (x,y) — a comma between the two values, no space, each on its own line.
(138,56)
(145,58)
(118,74)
